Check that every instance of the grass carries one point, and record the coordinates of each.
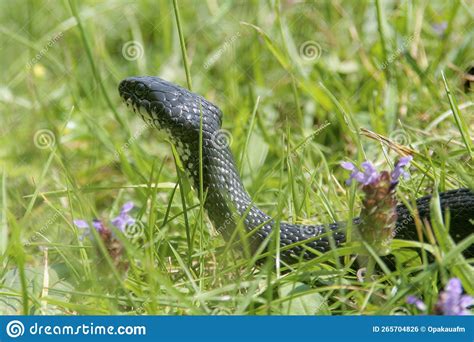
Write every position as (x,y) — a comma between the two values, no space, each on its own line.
(71,149)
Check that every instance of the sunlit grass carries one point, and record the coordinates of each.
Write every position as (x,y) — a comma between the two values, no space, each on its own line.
(293,117)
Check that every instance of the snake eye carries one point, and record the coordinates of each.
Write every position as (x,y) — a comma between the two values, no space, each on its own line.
(140,90)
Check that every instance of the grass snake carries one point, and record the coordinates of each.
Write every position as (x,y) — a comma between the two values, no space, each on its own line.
(177,112)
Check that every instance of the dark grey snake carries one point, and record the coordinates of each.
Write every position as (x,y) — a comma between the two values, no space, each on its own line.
(178,112)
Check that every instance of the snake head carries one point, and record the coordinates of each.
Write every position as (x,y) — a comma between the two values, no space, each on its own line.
(171,108)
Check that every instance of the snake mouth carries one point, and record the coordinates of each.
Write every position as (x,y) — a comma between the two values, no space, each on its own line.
(168,106)
(135,93)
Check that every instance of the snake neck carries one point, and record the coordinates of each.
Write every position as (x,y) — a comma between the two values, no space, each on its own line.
(227,202)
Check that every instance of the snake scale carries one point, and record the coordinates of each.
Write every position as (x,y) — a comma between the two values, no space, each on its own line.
(177,112)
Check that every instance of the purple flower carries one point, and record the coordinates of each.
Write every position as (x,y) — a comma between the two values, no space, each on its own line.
(417,302)
(452,302)
(123,220)
(98,225)
(120,222)
(351,167)
(378,215)
(81,224)
(440,28)
(369,176)
(399,169)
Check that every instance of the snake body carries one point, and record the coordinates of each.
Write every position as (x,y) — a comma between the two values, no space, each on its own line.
(182,114)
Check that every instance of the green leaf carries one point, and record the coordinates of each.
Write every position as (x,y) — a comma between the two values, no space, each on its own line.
(299,300)
(462,126)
